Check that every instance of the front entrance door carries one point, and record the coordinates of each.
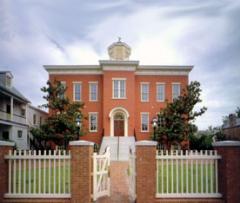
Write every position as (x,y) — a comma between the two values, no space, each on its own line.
(118,127)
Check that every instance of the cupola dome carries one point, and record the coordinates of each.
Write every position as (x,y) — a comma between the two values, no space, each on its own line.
(119,51)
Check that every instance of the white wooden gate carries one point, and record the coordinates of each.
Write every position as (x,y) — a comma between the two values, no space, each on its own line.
(132,174)
(101,174)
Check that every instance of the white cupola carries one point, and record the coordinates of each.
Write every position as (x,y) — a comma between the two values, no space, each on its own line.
(119,51)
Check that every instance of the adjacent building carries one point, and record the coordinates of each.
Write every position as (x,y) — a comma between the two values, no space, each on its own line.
(121,96)
(16,113)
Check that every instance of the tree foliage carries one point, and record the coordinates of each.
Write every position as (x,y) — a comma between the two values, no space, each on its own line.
(60,126)
(175,122)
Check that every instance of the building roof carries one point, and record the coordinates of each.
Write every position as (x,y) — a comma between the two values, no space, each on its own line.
(14,92)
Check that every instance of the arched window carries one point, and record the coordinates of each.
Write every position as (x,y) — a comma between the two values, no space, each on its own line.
(118,116)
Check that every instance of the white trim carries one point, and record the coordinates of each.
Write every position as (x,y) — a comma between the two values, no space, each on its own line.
(118,68)
(76,72)
(6,143)
(146,143)
(81,143)
(119,78)
(89,87)
(36,195)
(111,116)
(89,121)
(146,113)
(141,91)
(162,72)
(164,91)
(80,83)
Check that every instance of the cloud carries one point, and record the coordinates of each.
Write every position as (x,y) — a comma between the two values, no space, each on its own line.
(203,33)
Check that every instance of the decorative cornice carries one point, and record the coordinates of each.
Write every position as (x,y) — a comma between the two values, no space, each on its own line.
(111,65)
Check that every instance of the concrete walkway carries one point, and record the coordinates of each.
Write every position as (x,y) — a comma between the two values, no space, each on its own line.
(119,184)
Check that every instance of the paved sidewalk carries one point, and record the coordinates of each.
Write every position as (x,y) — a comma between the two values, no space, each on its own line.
(119,184)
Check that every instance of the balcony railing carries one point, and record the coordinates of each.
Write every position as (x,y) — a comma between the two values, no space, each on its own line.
(14,118)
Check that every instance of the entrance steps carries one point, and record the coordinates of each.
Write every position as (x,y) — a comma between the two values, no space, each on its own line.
(119,147)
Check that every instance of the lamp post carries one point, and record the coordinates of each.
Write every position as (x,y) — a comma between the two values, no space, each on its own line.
(154,124)
(78,123)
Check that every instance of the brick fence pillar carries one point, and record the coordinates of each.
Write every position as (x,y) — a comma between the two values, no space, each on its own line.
(229,170)
(146,171)
(81,169)
(4,149)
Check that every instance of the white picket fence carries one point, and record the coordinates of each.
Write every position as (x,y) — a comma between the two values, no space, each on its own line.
(35,175)
(101,174)
(190,174)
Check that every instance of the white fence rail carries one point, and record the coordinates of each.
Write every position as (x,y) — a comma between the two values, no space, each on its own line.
(35,175)
(132,174)
(101,174)
(190,174)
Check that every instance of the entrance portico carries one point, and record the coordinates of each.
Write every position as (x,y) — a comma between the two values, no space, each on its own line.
(118,122)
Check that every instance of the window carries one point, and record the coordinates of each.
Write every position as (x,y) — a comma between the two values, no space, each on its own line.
(63,83)
(34,119)
(160,92)
(23,112)
(40,120)
(8,109)
(119,88)
(144,92)
(93,122)
(93,91)
(144,122)
(5,135)
(77,91)
(19,134)
(175,90)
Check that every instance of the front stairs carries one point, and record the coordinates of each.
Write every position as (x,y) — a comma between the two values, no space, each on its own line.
(119,147)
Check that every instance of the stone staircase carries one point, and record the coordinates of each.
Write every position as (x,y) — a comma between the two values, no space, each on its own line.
(119,147)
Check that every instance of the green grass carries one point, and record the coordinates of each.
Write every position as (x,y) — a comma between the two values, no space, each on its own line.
(29,181)
(196,184)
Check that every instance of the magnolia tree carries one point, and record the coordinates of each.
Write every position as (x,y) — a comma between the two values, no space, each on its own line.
(175,122)
(60,127)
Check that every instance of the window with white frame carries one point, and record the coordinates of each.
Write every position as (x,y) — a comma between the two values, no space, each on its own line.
(144,122)
(119,88)
(93,91)
(144,92)
(175,90)
(93,117)
(160,92)
(63,83)
(77,91)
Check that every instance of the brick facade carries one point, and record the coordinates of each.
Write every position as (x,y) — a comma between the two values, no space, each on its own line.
(134,74)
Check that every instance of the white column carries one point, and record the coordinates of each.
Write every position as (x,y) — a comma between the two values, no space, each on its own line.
(11,108)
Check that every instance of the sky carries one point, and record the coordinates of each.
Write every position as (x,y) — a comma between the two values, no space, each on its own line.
(205,34)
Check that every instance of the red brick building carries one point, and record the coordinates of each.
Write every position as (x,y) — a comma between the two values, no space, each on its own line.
(121,96)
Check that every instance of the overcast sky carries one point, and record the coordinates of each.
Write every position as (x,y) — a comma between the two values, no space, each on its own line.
(205,34)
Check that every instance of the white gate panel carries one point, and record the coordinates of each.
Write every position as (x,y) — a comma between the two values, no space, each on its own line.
(101,174)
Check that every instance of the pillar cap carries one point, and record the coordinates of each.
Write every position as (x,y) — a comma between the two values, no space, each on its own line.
(6,143)
(227,143)
(81,143)
(146,143)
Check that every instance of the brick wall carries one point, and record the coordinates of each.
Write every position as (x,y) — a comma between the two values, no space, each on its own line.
(229,170)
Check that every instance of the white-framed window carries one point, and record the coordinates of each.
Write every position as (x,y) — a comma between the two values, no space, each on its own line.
(176,90)
(77,91)
(160,87)
(119,88)
(144,122)
(63,83)
(144,92)
(93,91)
(93,120)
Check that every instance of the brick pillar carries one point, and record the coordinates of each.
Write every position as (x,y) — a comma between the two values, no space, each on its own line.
(4,149)
(146,171)
(81,169)
(229,170)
